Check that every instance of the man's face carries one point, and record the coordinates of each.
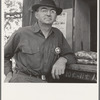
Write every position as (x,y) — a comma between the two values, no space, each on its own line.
(46,15)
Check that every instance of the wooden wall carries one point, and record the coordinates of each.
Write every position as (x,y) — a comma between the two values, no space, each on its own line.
(65,4)
(69,26)
(27,14)
(93,28)
(81,33)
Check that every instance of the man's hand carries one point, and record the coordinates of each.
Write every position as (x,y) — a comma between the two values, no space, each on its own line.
(59,67)
(8,77)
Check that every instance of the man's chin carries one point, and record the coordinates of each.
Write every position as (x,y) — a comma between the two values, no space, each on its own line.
(48,23)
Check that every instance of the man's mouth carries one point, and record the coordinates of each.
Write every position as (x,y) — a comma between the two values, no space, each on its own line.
(48,18)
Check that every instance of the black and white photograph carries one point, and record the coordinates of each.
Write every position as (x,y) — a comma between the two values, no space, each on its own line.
(50,42)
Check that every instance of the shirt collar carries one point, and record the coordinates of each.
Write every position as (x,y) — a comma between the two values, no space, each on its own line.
(36,28)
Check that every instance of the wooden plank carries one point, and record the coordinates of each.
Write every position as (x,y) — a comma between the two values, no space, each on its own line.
(65,4)
(92,77)
(27,15)
(82,72)
(81,67)
(81,35)
(69,26)
(94,28)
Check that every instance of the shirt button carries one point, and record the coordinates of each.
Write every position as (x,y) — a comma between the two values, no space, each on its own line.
(38,49)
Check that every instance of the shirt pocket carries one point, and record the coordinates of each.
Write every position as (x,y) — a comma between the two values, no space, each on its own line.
(30,47)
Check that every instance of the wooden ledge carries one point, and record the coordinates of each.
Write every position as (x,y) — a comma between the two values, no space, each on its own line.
(83,68)
(82,72)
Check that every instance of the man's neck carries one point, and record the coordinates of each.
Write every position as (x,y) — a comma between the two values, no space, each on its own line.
(45,28)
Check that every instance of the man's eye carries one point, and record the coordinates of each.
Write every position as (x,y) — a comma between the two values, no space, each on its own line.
(44,10)
(53,11)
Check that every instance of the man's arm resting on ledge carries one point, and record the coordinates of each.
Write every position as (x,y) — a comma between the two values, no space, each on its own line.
(59,67)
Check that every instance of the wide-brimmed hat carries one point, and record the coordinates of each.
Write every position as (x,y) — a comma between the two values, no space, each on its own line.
(48,3)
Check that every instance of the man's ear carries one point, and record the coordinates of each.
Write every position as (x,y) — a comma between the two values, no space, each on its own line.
(36,15)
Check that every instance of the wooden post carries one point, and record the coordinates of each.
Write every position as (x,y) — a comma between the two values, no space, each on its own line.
(81,35)
(27,14)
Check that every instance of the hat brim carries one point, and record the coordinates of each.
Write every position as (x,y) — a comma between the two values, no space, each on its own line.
(58,10)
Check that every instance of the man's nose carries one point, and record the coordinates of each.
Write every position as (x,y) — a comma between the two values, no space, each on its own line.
(48,12)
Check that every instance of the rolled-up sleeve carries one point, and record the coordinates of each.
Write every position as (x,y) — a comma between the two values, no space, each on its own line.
(67,52)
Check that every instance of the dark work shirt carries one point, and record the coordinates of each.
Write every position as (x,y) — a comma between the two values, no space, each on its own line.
(33,52)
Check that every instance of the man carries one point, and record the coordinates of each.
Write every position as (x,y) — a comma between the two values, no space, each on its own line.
(40,51)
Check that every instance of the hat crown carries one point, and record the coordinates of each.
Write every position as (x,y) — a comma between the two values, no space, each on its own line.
(45,2)
(48,3)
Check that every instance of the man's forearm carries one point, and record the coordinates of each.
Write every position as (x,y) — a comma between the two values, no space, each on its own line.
(8,77)
(7,66)
(59,67)
(62,59)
